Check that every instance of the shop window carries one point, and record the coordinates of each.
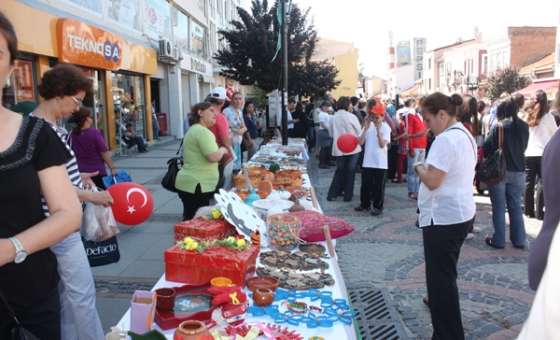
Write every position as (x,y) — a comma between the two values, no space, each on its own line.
(20,92)
(129,103)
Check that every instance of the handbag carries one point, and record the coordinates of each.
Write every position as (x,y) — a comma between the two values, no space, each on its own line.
(492,169)
(120,177)
(173,166)
(18,332)
(103,252)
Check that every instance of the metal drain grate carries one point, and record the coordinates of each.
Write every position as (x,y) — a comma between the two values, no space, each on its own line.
(376,320)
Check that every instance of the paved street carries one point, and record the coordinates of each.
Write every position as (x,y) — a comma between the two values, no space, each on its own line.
(383,253)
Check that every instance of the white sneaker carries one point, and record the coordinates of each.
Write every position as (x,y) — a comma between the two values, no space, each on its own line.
(470,236)
(476,230)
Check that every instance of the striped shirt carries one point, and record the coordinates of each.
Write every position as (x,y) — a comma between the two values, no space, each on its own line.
(71,165)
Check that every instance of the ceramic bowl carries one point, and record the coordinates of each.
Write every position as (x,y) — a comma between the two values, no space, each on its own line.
(265,282)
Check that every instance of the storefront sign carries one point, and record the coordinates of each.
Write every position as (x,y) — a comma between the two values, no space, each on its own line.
(86,45)
(196,65)
(197,38)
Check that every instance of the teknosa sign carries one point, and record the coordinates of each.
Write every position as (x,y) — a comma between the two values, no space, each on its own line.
(86,45)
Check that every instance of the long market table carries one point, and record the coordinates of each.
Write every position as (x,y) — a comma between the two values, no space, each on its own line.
(339,331)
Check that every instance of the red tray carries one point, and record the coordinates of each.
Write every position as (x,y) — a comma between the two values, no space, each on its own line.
(170,319)
(196,268)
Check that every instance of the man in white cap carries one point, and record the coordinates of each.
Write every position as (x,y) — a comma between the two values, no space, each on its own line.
(217,98)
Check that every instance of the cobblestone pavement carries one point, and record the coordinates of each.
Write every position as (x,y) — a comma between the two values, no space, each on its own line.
(386,252)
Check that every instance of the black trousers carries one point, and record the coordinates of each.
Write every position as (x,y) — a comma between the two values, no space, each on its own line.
(193,202)
(532,172)
(343,180)
(373,188)
(42,319)
(442,245)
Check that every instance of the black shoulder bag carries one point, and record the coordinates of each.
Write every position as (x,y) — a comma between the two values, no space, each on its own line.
(18,332)
(173,166)
(492,169)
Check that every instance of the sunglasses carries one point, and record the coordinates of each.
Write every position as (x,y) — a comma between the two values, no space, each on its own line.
(78,101)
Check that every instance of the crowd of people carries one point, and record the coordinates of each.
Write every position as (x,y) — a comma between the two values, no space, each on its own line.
(442,142)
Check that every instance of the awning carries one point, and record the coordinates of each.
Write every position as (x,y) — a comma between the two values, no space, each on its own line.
(550,87)
(412,91)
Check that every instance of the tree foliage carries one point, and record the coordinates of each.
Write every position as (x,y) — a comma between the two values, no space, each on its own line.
(251,46)
(507,80)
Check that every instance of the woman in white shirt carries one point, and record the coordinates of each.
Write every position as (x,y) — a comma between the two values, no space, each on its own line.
(344,122)
(446,207)
(542,127)
(375,136)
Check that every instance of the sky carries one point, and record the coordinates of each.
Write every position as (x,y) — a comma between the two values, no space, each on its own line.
(366,23)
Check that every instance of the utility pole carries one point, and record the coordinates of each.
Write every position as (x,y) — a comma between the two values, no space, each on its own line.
(284,32)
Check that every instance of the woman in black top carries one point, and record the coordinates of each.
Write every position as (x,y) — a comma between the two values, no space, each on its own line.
(31,163)
(509,192)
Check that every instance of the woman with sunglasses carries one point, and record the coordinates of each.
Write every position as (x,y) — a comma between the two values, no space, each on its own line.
(64,87)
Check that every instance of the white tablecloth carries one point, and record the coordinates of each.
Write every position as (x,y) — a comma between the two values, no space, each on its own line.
(338,332)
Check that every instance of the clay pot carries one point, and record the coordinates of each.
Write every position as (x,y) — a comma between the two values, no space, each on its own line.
(165,299)
(265,282)
(191,330)
(265,188)
(263,297)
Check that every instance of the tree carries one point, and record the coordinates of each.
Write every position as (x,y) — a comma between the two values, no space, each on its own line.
(252,44)
(507,80)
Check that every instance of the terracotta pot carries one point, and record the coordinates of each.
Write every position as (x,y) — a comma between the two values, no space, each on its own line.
(267,282)
(191,330)
(165,298)
(263,297)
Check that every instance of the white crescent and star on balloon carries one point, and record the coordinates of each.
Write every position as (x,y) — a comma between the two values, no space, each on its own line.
(131,209)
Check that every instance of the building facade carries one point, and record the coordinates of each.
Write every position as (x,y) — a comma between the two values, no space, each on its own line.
(557,63)
(163,63)
(406,67)
(344,56)
(91,36)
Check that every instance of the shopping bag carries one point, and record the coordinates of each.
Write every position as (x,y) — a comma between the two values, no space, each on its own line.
(119,177)
(102,253)
(98,223)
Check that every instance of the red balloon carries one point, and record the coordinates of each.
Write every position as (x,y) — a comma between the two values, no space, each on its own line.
(132,203)
(347,142)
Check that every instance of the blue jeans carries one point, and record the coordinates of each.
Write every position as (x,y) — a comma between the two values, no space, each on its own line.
(412,179)
(509,192)
(78,313)
(344,175)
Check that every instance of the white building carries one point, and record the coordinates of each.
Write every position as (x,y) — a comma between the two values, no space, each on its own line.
(407,65)
(557,66)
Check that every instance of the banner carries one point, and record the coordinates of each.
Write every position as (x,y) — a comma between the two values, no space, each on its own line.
(157,19)
(82,44)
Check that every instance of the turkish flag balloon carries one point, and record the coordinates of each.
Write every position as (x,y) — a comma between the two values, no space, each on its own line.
(132,203)
(347,142)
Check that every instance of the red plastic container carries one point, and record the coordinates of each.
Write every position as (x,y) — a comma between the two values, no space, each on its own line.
(196,268)
(201,228)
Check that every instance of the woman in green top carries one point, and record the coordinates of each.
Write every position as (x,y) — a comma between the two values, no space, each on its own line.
(197,179)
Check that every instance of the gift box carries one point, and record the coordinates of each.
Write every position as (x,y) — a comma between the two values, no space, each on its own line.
(198,268)
(142,311)
(204,229)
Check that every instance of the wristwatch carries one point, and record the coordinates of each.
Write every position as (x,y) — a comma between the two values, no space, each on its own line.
(21,254)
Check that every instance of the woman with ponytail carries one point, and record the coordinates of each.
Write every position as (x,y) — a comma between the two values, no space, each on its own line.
(447,209)
(542,127)
(509,191)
